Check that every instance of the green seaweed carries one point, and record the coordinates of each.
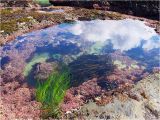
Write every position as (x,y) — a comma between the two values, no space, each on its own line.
(51,93)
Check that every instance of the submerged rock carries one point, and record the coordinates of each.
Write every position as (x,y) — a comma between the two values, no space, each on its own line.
(107,85)
(43,70)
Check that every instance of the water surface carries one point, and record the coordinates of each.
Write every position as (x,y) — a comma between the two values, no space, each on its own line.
(67,41)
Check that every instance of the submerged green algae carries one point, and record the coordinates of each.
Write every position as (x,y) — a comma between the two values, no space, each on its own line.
(96,48)
(56,56)
(51,93)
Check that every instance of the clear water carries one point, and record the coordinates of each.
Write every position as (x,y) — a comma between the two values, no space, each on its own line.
(66,42)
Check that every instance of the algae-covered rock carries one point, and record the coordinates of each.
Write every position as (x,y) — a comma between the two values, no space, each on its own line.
(43,70)
(140,103)
(18,3)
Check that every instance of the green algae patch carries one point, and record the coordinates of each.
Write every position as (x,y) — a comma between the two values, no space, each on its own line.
(51,93)
(6,11)
(36,59)
(9,26)
(11,19)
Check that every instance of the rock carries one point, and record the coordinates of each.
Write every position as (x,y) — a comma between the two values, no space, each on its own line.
(71,102)
(107,85)
(19,105)
(43,70)
(156,70)
(25,3)
(10,73)
(140,103)
(147,9)
(13,70)
(10,87)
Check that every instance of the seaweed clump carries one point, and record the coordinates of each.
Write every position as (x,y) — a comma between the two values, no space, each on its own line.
(90,66)
(51,93)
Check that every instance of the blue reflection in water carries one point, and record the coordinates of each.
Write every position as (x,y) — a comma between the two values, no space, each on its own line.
(132,37)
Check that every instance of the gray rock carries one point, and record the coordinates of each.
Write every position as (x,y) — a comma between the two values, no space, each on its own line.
(145,105)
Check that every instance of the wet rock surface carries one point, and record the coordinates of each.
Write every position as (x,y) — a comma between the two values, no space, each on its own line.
(119,81)
(140,102)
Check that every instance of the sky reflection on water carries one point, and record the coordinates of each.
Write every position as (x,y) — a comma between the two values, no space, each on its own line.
(123,34)
(132,37)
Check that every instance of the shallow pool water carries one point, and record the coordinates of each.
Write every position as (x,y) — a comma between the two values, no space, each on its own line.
(129,40)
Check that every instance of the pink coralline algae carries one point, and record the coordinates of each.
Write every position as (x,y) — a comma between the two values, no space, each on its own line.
(71,102)
(119,81)
(17,103)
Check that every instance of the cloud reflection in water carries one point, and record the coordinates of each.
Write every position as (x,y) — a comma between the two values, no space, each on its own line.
(124,34)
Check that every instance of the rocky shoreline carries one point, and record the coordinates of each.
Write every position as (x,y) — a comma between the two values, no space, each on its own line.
(147,9)
(139,103)
(39,20)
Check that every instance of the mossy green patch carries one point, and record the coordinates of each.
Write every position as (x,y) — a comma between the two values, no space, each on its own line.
(11,18)
(9,26)
(25,19)
(36,59)
(6,11)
